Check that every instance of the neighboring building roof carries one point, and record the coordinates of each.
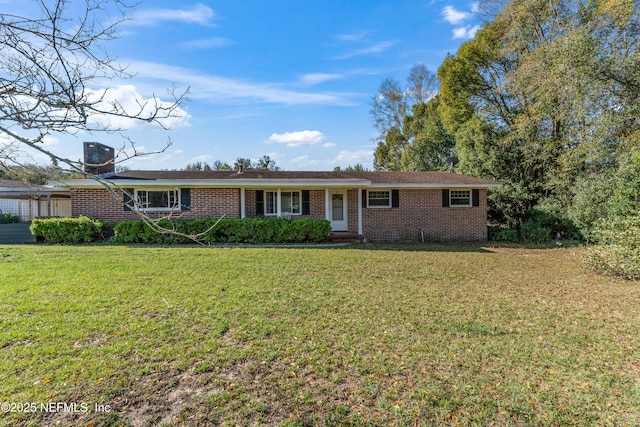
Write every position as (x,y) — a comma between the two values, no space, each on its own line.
(20,188)
(255,178)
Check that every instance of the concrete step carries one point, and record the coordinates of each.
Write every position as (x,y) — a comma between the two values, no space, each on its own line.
(16,233)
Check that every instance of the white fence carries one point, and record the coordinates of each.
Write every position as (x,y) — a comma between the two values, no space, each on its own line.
(28,209)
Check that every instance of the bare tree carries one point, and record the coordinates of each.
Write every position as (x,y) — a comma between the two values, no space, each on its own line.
(52,67)
(388,107)
(422,84)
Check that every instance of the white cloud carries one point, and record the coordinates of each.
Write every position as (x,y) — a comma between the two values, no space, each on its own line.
(377,48)
(305,163)
(211,43)
(302,138)
(353,37)
(467,32)
(346,157)
(316,78)
(224,90)
(201,158)
(199,14)
(134,104)
(454,16)
(329,145)
(49,141)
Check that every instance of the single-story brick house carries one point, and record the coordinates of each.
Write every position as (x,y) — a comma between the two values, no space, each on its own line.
(381,206)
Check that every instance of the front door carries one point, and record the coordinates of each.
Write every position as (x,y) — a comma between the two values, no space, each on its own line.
(338,210)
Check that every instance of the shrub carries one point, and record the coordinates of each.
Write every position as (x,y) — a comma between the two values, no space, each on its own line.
(532,232)
(67,230)
(617,248)
(228,230)
(508,235)
(8,218)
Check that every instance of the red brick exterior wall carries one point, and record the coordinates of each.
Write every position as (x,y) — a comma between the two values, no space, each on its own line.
(423,209)
(98,203)
(418,209)
(352,209)
(317,204)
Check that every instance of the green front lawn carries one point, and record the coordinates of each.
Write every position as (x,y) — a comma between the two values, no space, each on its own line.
(402,335)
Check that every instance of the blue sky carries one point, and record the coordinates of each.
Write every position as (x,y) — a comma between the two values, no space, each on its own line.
(289,79)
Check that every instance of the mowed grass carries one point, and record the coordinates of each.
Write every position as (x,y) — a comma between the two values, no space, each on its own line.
(363,335)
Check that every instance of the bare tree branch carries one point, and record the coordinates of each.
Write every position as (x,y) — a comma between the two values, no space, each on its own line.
(53,68)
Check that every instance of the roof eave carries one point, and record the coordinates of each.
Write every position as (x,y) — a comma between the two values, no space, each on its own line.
(434,185)
(221,183)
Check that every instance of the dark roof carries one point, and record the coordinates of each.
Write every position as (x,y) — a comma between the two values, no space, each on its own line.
(374,177)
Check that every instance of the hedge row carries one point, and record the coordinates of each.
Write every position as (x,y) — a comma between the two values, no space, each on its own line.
(67,230)
(8,218)
(228,230)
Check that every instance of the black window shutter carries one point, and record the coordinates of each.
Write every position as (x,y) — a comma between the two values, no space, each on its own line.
(185,199)
(475,197)
(306,202)
(445,198)
(395,198)
(259,202)
(126,198)
(364,198)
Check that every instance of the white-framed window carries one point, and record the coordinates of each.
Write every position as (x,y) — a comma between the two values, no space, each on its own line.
(290,203)
(271,203)
(379,199)
(460,198)
(158,200)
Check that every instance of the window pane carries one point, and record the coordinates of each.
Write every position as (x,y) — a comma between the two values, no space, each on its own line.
(337,203)
(378,198)
(295,202)
(460,198)
(157,199)
(270,203)
(285,199)
(290,202)
(142,199)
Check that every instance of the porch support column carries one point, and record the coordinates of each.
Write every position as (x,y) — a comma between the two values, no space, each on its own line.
(278,204)
(327,213)
(359,210)
(242,204)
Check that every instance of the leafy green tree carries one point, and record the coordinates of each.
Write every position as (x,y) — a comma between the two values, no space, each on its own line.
(430,144)
(543,97)
(263,163)
(358,167)
(242,163)
(390,109)
(219,165)
(266,163)
(198,166)
(388,154)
